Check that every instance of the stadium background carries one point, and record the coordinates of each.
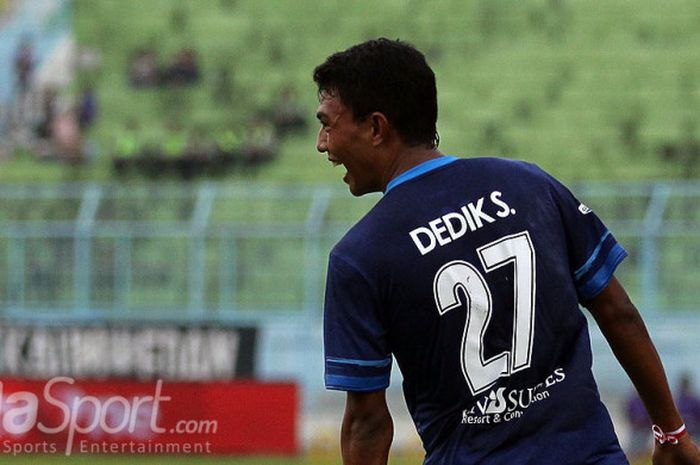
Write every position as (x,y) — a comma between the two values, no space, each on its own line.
(603,96)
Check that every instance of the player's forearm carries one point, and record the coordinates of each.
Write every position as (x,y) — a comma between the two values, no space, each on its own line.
(627,335)
(366,439)
(635,351)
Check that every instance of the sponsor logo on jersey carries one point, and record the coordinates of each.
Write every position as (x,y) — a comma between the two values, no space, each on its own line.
(499,406)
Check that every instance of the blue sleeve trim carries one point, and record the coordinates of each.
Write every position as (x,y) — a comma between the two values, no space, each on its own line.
(362,363)
(587,266)
(601,277)
(352,383)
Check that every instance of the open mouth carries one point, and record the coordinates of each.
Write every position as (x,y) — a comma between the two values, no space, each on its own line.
(335,162)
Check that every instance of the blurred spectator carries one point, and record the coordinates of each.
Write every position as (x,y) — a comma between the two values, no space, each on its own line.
(287,114)
(49,100)
(199,145)
(143,69)
(126,142)
(184,70)
(227,150)
(259,143)
(640,442)
(24,68)
(145,72)
(175,142)
(228,142)
(24,64)
(87,108)
(66,138)
(88,59)
(688,403)
(199,153)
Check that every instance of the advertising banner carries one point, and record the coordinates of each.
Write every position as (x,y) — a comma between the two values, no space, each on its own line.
(65,416)
(144,351)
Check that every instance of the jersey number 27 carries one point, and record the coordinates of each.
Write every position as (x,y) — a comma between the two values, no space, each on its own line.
(480,373)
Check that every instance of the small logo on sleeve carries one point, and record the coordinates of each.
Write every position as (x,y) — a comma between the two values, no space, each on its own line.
(584,209)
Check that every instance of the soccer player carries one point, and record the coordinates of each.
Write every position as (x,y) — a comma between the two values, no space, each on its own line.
(469,272)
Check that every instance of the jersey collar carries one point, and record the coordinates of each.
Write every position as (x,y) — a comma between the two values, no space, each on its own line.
(418,170)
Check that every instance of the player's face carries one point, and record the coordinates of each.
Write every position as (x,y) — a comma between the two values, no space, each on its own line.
(347,143)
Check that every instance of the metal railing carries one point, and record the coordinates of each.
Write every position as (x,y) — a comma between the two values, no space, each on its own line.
(254,252)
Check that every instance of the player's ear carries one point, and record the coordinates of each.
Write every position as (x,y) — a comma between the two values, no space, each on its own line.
(379,125)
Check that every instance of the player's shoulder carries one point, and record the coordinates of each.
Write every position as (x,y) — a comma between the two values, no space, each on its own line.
(518,174)
(362,236)
(508,166)
(369,237)
(355,255)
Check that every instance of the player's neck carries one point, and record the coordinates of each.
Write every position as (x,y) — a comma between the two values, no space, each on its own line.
(407,158)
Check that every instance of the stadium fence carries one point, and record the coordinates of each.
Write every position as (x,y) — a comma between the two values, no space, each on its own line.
(255,254)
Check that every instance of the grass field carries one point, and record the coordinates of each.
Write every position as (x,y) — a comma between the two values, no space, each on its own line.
(221,460)
(185,460)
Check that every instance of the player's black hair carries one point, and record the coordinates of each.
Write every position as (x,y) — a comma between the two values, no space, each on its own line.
(388,76)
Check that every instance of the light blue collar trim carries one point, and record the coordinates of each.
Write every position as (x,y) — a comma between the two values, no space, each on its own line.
(418,170)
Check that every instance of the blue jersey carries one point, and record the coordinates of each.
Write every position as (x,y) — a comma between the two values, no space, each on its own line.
(470,273)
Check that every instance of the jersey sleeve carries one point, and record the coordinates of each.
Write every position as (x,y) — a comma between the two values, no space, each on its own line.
(594,253)
(356,354)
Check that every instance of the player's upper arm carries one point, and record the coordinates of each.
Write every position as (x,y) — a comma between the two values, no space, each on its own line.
(357,356)
(612,304)
(593,251)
